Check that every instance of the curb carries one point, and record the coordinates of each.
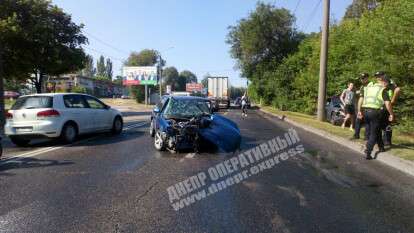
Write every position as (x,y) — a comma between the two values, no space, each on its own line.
(385,157)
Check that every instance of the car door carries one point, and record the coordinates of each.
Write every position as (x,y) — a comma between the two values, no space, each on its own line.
(161,105)
(77,110)
(101,115)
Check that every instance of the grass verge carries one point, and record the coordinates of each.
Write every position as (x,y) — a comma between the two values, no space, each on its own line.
(132,103)
(403,144)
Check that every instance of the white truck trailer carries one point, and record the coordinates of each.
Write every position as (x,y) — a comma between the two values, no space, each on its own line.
(218,92)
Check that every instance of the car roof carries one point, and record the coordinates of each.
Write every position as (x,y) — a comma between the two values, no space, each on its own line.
(53,94)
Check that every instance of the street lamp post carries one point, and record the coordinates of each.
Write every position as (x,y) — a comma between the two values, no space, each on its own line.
(160,68)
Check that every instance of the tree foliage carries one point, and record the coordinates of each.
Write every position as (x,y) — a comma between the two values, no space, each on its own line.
(100,67)
(358,7)
(146,57)
(381,38)
(263,39)
(89,68)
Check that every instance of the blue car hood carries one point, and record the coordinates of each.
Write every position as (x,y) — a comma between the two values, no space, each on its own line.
(223,133)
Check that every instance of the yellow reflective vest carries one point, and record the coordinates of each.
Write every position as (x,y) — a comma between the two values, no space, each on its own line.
(373,96)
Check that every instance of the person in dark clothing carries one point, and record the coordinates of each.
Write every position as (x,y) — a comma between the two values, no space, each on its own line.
(364,78)
(393,92)
(373,98)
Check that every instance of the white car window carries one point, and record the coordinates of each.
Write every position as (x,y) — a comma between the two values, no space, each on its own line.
(94,103)
(32,102)
(74,101)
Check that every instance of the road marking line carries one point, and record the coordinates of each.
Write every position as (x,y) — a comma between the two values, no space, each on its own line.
(190,155)
(52,148)
(135,125)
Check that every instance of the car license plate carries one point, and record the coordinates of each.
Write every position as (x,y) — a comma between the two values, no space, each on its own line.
(24,129)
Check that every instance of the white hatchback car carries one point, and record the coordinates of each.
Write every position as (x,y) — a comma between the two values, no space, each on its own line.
(59,115)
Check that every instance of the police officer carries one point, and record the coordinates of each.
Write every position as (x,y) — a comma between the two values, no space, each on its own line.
(364,78)
(393,93)
(373,98)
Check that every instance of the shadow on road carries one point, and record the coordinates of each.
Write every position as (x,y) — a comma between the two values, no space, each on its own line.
(28,162)
(107,138)
(40,143)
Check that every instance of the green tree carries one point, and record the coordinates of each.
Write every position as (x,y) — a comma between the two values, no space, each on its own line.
(54,40)
(146,57)
(263,39)
(204,81)
(358,7)
(108,69)
(78,89)
(89,70)
(118,79)
(100,67)
(189,76)
(171,77)
(380,40)
(37,38)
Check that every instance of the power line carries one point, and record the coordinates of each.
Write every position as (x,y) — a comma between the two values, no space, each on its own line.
(296,7)
(102,53)
(105,43)
(312,15)
(294,12)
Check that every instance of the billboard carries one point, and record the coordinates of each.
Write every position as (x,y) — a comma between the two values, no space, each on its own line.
(192,87)
(139,75)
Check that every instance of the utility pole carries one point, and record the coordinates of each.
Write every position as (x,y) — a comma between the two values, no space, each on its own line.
(160,73)
(323,61)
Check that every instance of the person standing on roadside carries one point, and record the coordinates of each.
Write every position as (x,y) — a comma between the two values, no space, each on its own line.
(348,99)
(244,105)
(393,92)
(364,79)
(372,100)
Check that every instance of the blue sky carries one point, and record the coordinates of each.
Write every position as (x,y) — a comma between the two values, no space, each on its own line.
(196,29)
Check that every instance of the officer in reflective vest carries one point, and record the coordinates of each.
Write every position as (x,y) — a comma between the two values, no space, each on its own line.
(373,98)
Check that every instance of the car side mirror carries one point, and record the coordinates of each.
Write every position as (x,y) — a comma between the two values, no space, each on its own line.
(156,110)
(107,107)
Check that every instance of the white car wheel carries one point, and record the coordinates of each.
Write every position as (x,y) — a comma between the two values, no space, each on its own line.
(158,141)
(117,125)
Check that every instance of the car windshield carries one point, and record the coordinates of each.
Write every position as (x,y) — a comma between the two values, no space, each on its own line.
(186,108)
(33,102)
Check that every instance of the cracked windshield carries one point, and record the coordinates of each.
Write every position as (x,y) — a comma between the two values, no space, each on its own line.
(207,116)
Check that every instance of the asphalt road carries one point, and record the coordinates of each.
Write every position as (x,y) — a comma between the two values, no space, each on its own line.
(106,183)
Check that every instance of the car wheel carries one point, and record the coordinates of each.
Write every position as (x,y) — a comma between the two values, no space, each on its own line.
(117,126)
(159,142)
(18,141)
(69,133)
(151,129)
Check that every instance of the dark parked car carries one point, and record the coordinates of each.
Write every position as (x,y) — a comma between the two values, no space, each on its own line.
(187,122)
(334,110)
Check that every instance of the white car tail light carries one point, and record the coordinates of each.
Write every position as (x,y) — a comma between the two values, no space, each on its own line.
(9,115)
(48,113)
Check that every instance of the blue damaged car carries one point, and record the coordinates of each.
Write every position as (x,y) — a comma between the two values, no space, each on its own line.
(188,123)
